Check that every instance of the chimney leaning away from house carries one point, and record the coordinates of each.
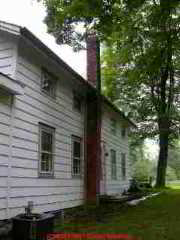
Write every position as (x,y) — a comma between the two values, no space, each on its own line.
(93,124)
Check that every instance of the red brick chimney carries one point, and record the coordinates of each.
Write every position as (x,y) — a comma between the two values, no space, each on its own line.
(93,60)
(93,131)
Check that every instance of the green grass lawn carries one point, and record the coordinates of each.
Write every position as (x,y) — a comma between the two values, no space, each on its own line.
(156,218)
(174,185)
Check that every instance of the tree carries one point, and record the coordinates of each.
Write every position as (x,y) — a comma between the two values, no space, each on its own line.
(145,36)
(142,165)
(171,174)
(174,158)
(143,170)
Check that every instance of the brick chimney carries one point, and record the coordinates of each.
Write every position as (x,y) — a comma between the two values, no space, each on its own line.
(93,60)
(93,121)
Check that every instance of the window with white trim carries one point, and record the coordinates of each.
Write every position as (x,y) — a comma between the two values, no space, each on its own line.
(48,83)
(123,165)
(113,126)
(76,155)
(113,164)
(46,150)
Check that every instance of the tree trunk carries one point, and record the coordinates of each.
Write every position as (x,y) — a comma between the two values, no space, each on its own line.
(162,161)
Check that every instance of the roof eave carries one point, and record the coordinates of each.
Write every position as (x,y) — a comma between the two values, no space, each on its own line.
(10,85)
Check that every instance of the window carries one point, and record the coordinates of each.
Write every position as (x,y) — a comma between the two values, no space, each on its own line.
(113,126)
(113,164)
(123,165)
(77,102)
(46,150)
(123,132)
(48,83)
(76,156)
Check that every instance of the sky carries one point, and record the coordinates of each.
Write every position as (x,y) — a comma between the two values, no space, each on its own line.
(151,149)
(30,14)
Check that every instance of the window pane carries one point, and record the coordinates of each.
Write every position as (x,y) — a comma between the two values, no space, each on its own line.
(113,126)
(46,162)
(48,83)
(46,141)
(46,149)
(77,149)
(123,165)
(76,166)
(76,158)
(113,156)
(113,164)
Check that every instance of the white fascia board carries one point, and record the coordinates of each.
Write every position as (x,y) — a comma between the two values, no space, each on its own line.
(11,86)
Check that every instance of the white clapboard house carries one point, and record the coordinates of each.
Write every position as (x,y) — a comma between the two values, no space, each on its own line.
(50,132)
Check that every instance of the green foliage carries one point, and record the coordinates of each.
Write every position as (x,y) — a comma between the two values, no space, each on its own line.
(63,16)
(142,170)
(141,61)
(174,158)
(170,174)
(143,167)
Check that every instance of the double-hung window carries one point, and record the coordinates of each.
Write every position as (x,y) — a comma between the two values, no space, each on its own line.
(76,156)
(48,83)
(46,150)
(113,165)
(123,165)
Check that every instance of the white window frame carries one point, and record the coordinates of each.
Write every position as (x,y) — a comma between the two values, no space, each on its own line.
(113,153)
(52,80)
(123,165)
(113,123)
(79,140)
(49,130)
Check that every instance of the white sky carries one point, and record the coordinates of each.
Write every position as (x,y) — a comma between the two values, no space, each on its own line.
(30,14)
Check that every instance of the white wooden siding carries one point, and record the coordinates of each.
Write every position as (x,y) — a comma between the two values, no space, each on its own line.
(5,122)
(7,55)
(120,145)
(30,109)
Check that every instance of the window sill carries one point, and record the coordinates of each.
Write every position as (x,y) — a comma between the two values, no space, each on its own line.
(46,175)
(52,98)
(76,176)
